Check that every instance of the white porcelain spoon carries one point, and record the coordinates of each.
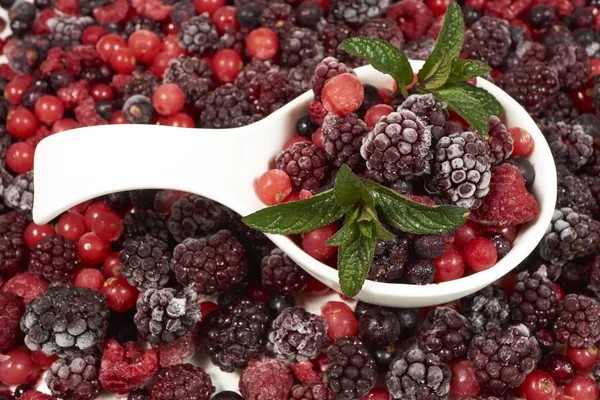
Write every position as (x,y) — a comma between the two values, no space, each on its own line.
(81,164)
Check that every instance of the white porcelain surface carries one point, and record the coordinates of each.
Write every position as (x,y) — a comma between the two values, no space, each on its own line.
(81,164)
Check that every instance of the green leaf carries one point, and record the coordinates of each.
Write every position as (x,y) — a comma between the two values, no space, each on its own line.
(415,218)
(450,39)
(383,57)
(297,216)
(381,232)
(343,235)
(349,188)
(438,75)
(474,104)
(354,260)
(467,69)
(366,228)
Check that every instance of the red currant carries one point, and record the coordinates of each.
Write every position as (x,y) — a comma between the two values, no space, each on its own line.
(64,125)
(145,45)
(169,27)
(582,99)
(464,233)
(168,99)
(385,95)
(101,91)
(438,7)
(108,226)
(225,18)
(538,386)
(92,250)
(563,397)
(313,242)
(374,113)
(273,187)
(118,118)
(92,34)
(107,45)
(317,137)
(208,6)
(262,43)
(15,88)
(377,394)
(71,226)
(227,65)
(450,265)
(49,109)
(19,157)
(21,123)
(121,296)
(41,360)
(584,359)
(181,120)
(161,63)
(90,278)
(316,287)
(341,321)
(112,266)
(582,388)
(343,94)
(523,141)
(206,307)
(92,212)
(480,254)
(122,60)
(15,368)
(81,208)
(463,381)
(560,293)
(35,233)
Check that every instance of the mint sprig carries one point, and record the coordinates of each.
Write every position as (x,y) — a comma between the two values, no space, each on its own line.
(361,205)
(443,74)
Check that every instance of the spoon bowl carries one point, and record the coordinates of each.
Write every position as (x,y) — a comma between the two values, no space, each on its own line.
(81,164)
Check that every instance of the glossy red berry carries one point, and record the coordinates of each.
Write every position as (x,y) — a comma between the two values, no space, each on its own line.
(145,45)
(480,254)
(595,66)
(41,360)
(49,109)
(262,43)
(438,7)
(450,265)
(343,94)
(122,60)
(582,388)
(15,88)
(35,233)
(341,321)
(463,381)
(71,226)
(21,123)
(538,385)
(208,6)
(181,120)
(19,157)
(374,113)
(92,250)
(108,225)
(523,141)
(584,359)
(227,65)
(206,307)
(64,124)
(121,296)
(107,45)
(464,233)
(168,99)
(101,91)
(15,368)
(112,266)
(118,118)
(313,242)
(92,34)
(161,63)
(90,278)
(225,18)
(582,99)
(273,187)
(92,212)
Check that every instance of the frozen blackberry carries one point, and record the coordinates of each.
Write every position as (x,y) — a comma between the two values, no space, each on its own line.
(384,29)
(18,195)
(429,246)
(312,391)
(418,375)
(351,371)
(500,242)
(541,16)
(561,108)
(430,112)
(245,120)
(249,15)
(534,86)
(142,84)
(278,16)
(325,70)
(309,14)
(65,32)
(199,36)
(305,163)
(145,262)
(445,333)
(572,65)
(139,394)
(297,335)
(182,381)
(486,308)
(234,39)
(66,320)
(75,377)
(270,91)
(279,272)
(357,12)
(420,271)
(12,310)
(502,358)
(210,264)
(500,141)
(229,298)
(302,73)
(13,250)
(54,258)
(578,322)
(192,75)
(143,198)
(145,222)
(488,40)
(342,139)
(399,146)
(534,301)
(420,50)
(219,107)
(570,145)
(573,192)
(378,327)
(389,259)
(166,314)
(471,15)
(570,235)
(141,23)
(194,215)
(332,34)
(251,70)
(255,242)
(182,11)
(237,335)
(461,170)
(138,109)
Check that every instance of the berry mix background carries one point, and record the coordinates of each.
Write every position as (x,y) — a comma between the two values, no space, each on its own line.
(160,295)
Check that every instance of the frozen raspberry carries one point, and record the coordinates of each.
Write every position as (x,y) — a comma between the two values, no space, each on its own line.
(153,9)
(488,40)
(305,372)
(279,272)
(311,391)
(413,17)
(508,201)
(179,350)
(194,215)
(125,368)
(55,258)
(572,65)
(325,70)
(193,76)
(266,379)
(74,93)
(534,301)
(199,36)
(357,12)
(578,322)
(570,144)
(305,163)
(418,373)
(35,395)
(220,107)
(27,286)
(112,13)
(75,377)
(445,333)
(182,381)
(430,112)
(86,114)
(269,92)
(317,112)
(11,311)
(342,139)
(145,262)
(501,142)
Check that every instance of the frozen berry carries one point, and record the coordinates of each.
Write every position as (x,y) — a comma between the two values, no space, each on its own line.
(480,254)
(342,94)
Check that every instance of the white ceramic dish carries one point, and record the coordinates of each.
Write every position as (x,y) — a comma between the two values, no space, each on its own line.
(81,164)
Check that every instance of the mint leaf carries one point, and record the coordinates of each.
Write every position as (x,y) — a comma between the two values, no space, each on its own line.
(411,217)
(474,104)
(450,39)
(467,69)
(349,188)
(438,75)
(383,56)
(297,216)
(343,235)
(381,232)
(354,259)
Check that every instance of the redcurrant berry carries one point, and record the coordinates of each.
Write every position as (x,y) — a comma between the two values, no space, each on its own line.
(19,157)
(168,99)
(35,233)
(273,187)
(71,225)
(343,94)
(90,278)
(313,242)
(523,141)
(262,43)
(121,296)
(15,368)
(21,123)
(227,65)
(92,250)
(341,321)
(107,45)
(145,45)
(538,385)
(122,60)
(450,265)
(480,254)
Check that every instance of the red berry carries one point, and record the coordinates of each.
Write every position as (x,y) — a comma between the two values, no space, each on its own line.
(385,95)
(463,381)
(64,125)
(92,212)
(316,287)
(49,109)
(145,45)
(509,232)
(584,359)
(169,27)
(19,157)
(438,7)
(21,123)
(181,120)
(118,118)
(107,45)
(122,60)
(257,292)
(81,208)
(374,113)
(170,44)
(206,307)
(71,225)
(121,296)
(377,394)
(273,187)
(313,242)
(35,233)
(262,43)
(450,265)
(293,140)
(108,225)
(538,386)
(480,254)
(523,141)
(92,250)
(225,18)
(112,266)
(208,6)
(90,278)
(341,321)
(101,91)
(168,99)
(560,293)
(563,397)
(595,66)
(582,388)
(227,65)
(41,360)
(92,34)
(464,233)
(15,368)
(582,99)
(343,94)
(15,88)
(317,137)
(161,63)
